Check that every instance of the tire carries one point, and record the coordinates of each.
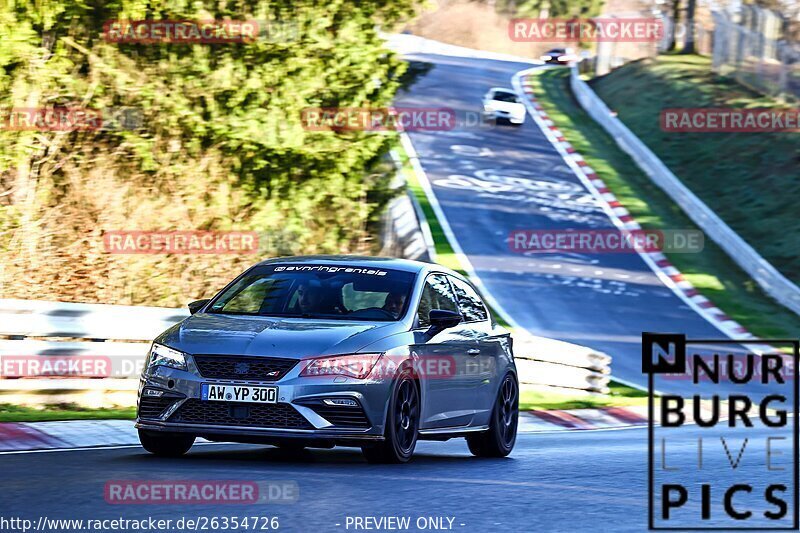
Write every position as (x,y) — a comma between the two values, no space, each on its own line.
(402,425)
(499,440)
(165,444)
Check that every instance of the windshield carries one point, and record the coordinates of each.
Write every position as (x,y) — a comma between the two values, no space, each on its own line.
(338,292)
(502,96)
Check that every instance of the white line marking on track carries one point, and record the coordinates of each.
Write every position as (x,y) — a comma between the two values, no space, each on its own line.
(90,448)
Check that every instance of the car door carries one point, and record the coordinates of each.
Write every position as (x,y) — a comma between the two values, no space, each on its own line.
(443,359)
(485,364)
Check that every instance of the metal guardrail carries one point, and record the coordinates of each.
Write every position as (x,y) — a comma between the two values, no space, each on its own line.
(119,336)
(402,235)
(33,318)
(115,337)
(95,393)
(767,276)
(551,363)
(405,232)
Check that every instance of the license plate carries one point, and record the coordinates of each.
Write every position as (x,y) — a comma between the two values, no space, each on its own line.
(239,393)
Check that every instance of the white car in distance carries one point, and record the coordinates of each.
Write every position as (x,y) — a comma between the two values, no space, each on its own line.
(503,104)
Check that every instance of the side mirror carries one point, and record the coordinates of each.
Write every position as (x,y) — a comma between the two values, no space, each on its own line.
(196,306)
(442,319)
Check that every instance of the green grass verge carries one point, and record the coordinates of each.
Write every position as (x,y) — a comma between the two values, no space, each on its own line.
(620,396)
(712,272)
(16,413)
(749,179)
(445,255)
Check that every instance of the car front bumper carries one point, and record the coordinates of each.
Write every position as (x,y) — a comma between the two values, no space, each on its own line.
(515,117)
(299,396)
(258,435)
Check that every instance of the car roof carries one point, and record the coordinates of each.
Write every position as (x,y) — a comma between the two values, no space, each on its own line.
(363,261)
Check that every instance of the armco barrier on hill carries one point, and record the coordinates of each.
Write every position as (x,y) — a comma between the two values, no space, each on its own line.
(767,276)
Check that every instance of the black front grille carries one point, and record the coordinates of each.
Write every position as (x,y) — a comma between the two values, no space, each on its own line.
(243,367)
(342,416)
(276,415)
(152,407)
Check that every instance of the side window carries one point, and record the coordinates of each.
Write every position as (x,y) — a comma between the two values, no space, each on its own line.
(436,295)
(469,303)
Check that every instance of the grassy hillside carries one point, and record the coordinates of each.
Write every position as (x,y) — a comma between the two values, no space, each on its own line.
(751,180)
(712,272)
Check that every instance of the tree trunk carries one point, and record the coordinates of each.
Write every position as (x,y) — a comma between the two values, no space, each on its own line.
(676,15)
(688,47)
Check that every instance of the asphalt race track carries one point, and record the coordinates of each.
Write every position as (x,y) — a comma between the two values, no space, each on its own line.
(562,481)
(493,179)
(547,478)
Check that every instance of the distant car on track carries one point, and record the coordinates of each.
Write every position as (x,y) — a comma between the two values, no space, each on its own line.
(334,350)
(559,56)
(503,104)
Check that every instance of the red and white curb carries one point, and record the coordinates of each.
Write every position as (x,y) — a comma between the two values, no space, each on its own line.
(582,419)
(66,434)
(621,217)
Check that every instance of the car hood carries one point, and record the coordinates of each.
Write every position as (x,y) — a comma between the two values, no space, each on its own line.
(290,337)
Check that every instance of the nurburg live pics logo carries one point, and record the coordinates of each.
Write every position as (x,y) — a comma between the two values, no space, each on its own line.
(723,449)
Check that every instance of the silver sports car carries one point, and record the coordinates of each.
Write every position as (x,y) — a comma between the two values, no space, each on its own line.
(334,350)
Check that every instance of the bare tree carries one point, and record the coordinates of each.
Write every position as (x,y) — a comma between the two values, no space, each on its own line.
(676,15)
(688,45)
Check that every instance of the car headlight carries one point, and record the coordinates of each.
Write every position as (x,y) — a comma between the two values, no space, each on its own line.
(161,355)
(355,365)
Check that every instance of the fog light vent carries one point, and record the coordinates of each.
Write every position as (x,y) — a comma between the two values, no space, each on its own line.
(342,402)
